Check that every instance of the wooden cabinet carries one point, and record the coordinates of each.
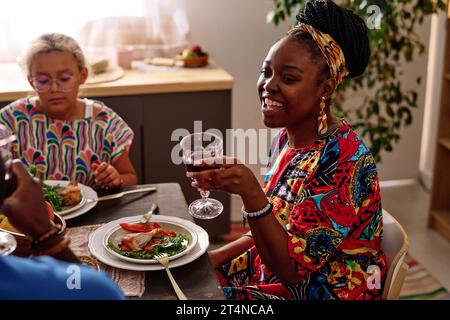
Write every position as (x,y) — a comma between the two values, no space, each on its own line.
(163,114)
(439,217)
(154,106)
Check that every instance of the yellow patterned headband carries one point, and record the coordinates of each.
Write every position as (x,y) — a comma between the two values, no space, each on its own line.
(331,50)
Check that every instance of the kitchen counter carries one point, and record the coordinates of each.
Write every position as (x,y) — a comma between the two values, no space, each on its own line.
(13,83)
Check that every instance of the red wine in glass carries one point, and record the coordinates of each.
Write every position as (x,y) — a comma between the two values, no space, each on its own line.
(191,157)
(190,167)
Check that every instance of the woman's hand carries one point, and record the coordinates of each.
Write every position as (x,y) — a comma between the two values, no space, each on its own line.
(269,236)
(25,207)
(107,176)
(228,175)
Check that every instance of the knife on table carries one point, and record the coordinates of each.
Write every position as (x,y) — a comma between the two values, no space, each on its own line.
(123,193)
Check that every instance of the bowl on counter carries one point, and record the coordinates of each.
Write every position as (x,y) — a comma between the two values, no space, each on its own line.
(193,62)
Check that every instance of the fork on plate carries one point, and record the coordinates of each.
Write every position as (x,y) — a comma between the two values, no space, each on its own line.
(148,215)
(163,259)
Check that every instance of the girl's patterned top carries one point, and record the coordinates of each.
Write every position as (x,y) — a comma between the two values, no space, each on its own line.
(327,198)
(66,149)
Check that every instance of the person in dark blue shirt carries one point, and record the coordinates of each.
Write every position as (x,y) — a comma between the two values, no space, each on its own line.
(43,277)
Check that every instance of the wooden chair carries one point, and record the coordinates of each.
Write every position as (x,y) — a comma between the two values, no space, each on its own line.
(395,246)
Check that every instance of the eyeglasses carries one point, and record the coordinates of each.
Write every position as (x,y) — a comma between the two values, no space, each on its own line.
(65,83)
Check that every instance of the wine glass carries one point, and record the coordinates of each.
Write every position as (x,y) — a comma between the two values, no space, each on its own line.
(196,147)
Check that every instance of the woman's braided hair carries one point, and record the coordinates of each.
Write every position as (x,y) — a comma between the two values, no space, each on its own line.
(345,27)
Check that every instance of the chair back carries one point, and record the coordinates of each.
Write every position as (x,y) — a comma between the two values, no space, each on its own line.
(395,246)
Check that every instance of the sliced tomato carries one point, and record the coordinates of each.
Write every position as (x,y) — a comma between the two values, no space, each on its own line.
(51,212)
(169,233)
(138,227)
(149,249)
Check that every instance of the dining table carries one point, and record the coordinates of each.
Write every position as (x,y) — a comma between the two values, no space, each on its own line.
(197,279)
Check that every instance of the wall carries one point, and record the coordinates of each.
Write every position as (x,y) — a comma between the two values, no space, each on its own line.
(433,98)
(403,163)
(237,36)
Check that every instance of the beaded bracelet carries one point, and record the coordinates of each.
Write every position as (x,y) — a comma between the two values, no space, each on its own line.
(256,214)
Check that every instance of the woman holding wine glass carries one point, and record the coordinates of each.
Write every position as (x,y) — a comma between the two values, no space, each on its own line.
(316,225)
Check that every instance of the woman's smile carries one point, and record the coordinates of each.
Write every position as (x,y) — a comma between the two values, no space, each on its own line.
(271,107)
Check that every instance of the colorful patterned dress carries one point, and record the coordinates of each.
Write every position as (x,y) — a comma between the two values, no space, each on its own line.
(326,196)
(66,149)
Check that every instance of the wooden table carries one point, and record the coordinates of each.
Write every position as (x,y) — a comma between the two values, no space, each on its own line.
(197,279)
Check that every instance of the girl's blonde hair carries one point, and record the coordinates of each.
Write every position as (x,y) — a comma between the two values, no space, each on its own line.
(54,42)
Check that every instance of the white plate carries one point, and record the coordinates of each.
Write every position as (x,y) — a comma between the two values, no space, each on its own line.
(98,250)
(87,193)
(116,233)
(63,184)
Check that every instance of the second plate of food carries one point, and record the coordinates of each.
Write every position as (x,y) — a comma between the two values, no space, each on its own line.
(139,243)
(65,196)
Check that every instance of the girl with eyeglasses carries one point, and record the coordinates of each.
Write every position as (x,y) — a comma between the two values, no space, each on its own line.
(63,136)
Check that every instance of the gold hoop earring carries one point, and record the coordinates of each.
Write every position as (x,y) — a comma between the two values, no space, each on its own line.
(323,125)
